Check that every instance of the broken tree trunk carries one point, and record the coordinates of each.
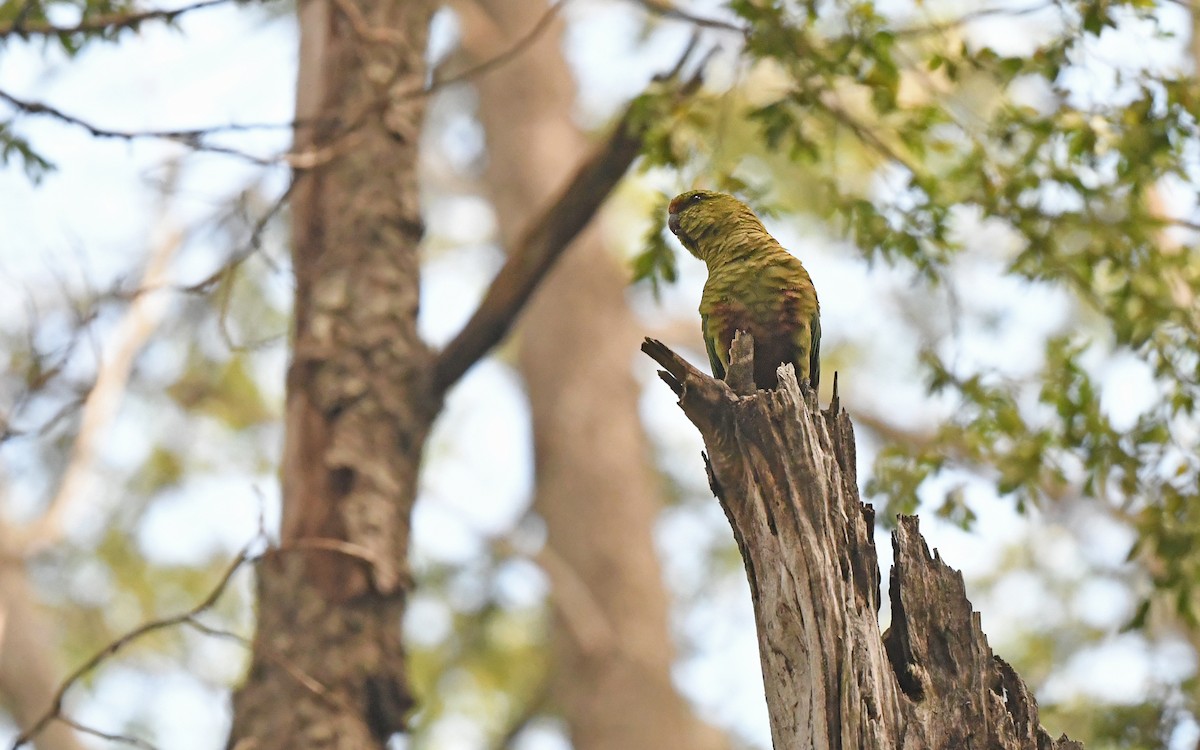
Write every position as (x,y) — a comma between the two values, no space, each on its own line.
(784,473)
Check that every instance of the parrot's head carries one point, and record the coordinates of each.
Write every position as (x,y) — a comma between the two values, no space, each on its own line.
(701,218)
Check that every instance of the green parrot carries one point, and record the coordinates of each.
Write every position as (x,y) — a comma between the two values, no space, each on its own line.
(754,285)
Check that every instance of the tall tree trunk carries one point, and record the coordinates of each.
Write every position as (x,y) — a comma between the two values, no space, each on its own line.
(327,666)
(595,488)
(784,473)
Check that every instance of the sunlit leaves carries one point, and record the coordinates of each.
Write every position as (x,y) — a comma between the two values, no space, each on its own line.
(73,24)
(657,260)
(229,394)
(917,132)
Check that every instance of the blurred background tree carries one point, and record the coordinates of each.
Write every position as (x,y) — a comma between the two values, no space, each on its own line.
(997,204)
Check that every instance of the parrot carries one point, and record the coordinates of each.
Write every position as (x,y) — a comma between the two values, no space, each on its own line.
(754,285)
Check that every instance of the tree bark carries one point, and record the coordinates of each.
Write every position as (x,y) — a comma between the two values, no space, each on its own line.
(784,473)
(327,668)
(595,490)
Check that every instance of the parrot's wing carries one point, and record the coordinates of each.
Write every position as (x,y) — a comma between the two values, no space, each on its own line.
(710,344)
(814,354)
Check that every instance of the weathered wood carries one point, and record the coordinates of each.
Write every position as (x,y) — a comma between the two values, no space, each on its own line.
(784,472)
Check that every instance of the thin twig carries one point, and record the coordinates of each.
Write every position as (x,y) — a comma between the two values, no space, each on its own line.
(305,680)
(981,14)
(101,23)
(135,328)
(338,143)
(667,11)
(121,738)
(517,47)
(191,139)
(189,618)
(55,710)
(325,544)
(867,135)
(252,245)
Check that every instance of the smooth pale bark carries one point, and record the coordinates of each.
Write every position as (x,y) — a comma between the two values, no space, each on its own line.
(595,489)
(328,669)
(29,673)
(784,472)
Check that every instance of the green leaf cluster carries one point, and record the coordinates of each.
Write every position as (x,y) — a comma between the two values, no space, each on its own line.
(905,134)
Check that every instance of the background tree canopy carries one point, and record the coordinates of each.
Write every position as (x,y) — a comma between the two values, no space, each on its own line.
(997,203)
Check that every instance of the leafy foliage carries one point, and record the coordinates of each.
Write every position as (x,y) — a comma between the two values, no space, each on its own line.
(72,24)
(15,148)
(914,135)
(902,134)
(657,261)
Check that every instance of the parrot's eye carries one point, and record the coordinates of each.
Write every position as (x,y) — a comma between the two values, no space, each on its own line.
(696,198)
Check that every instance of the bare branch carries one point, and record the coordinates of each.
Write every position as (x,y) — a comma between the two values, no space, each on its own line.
(124,739)
(660,8)
(338,142)
(519,46)
(193,139)
(297,674)
(695,389)
(189,618)
(56,705)
(548,236)
(981,14)
(135,328)
(105,23)
(252,245)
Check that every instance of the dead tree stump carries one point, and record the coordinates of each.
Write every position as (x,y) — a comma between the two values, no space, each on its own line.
(784,472)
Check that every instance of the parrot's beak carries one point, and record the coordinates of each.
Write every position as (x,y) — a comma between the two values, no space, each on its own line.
(673,223)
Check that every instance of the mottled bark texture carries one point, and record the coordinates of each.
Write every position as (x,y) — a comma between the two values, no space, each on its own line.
(327,667)
(784,473)
(598,495)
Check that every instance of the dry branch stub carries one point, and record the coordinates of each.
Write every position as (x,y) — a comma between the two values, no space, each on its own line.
(784,472)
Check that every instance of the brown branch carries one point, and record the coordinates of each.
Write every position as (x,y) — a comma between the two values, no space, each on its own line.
(938,27)
(55,710)
(519,46)
(184,135)
(191,138)
(304,679)
(92,731)
(540,246)
(97,24)
(658,8)
(252,245)
(114,368)
(188,618)
(550,234)
(698,392)
(337,143)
